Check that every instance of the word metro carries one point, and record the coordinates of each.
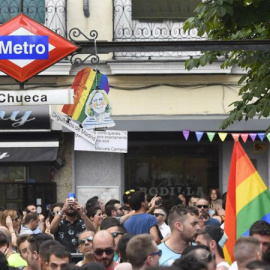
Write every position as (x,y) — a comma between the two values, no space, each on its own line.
(24,47)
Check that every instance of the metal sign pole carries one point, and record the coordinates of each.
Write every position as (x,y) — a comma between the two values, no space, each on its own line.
(21,6)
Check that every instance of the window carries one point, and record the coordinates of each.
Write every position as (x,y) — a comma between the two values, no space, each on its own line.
(163,10)
(160,163)
(35,9)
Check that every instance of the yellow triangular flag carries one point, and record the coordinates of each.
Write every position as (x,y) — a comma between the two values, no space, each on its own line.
(222,136)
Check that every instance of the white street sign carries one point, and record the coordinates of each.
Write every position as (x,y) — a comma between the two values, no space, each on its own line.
(37,97)
(107,141)
(70,124)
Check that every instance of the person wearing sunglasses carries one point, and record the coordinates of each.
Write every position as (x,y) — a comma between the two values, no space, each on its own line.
(214,238)
(104,248)
(69,223)
(161,216)
(203,207)
(113,208)
(142,252)
(12,221)
(86,247)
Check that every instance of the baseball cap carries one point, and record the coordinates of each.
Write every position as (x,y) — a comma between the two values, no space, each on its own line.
(217,234)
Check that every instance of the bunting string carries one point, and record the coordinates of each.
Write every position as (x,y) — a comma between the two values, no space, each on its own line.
(223,135)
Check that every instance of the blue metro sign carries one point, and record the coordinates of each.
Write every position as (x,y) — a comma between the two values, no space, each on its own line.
(24,47)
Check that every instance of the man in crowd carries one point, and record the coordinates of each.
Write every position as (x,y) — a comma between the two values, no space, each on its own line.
(32,256)
(23,245)
(261,230)
(86,247)
(14,259)
(31,222)
(246,249)
(113,208)
(203,207)
(122,246)
(103,245)
(142,252)
(161,216)
(214,238)
(44,252)
(33,209)
(192,200)
(94,202)
(183,221)
(194,254)
(59,256)
(141,222)
(69,223)
(219,211)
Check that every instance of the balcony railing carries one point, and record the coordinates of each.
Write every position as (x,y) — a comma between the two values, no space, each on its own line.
(51,13)
(127,29)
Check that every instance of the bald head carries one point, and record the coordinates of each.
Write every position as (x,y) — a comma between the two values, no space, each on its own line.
(103,244)
(103,235)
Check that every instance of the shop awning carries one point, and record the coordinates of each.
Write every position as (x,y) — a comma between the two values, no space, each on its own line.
(28,151)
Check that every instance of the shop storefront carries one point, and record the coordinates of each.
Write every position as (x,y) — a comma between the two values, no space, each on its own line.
(28,154)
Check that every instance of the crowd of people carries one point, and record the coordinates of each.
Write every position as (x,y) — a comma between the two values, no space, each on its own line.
(137,235)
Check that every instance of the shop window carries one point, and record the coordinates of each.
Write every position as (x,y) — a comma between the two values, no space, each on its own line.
(35,9)
(163,10)
(12,173)
(168,168)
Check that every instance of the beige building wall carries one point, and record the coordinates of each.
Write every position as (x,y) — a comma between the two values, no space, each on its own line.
(100,19)
(172,95)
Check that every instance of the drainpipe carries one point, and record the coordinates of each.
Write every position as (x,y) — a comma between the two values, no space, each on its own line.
(86,8)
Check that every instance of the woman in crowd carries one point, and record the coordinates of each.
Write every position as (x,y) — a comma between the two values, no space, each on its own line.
(12,220)
(214,195)
(95,215)
(54,209)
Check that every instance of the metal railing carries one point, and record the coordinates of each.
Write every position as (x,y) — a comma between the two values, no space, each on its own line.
(51,13)
(127,29)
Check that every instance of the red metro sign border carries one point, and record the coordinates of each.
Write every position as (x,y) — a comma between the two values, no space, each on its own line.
(27,48)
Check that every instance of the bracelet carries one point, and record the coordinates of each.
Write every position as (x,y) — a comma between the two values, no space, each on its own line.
(13,232)
(60,214)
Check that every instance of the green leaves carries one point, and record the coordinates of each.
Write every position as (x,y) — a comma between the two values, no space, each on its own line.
(238,20)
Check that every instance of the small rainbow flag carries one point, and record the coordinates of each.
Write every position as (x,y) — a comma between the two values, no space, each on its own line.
(248,199)
(84,83)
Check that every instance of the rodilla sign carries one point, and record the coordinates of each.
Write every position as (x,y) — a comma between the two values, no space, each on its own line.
(24,47)
(27,48)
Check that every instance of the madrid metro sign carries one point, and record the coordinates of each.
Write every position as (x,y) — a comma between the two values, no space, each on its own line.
(27,48)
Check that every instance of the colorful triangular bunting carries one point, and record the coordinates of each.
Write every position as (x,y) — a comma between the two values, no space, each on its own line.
(222,136)
(186,134)
(211,135)
(199,135)
(244,136)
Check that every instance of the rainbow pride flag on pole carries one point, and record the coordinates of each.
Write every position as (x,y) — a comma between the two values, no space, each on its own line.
(248,199)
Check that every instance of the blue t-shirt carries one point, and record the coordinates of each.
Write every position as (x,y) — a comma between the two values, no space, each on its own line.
(168,256)
(141,223)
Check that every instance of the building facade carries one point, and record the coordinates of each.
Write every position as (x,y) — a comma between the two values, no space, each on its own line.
(154,98)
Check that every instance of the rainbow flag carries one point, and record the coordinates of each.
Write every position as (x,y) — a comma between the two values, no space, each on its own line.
(248,199)
(84,83)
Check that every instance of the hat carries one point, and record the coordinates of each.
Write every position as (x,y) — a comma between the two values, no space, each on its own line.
(217,234)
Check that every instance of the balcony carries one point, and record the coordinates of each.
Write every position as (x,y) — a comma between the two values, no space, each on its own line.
(51,13)
(128,29)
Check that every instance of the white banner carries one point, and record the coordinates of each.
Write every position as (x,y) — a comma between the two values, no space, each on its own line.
(37,97)
(70,124)
(107,141)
